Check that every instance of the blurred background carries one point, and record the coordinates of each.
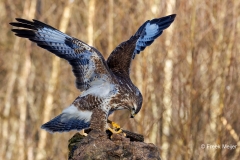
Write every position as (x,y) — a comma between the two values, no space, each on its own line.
(189,76)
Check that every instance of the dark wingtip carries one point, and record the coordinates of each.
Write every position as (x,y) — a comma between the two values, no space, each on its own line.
(24,21)
(15,24)
(15,30)
(11,23)
(20,19)
(173,16)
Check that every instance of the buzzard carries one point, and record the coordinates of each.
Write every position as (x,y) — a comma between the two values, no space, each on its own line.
(105,84)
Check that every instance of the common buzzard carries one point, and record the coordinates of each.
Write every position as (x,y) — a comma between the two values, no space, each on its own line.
(105,84)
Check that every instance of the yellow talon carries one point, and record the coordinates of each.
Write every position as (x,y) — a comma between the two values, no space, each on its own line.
(114,125)
(115,131)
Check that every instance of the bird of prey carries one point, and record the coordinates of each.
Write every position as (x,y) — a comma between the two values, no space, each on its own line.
(105,84)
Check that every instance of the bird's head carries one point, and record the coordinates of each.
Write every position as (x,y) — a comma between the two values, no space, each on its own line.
(136,105)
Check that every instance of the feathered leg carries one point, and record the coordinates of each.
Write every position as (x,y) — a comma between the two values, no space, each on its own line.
(98,120)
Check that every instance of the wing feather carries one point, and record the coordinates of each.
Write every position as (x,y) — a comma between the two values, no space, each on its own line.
(120,59)
(87,63)
(150,30)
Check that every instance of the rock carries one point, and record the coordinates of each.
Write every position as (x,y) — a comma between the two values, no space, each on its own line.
(100,146)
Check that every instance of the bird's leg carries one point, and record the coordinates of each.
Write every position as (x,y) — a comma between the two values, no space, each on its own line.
(98,120)
(116,127)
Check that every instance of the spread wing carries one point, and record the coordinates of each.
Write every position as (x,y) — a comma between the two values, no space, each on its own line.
(120,59)
(150,30)
(88,65)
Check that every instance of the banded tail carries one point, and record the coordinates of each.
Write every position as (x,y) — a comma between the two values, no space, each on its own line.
(61,124)
(70,119)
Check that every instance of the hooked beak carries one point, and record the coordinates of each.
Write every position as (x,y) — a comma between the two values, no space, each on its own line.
(132,113)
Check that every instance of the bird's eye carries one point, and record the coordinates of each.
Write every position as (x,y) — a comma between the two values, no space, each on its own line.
(133,108)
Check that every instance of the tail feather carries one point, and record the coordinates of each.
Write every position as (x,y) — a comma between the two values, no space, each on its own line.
(63,124)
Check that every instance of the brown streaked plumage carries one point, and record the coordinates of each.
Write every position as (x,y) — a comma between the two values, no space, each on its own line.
(106,85)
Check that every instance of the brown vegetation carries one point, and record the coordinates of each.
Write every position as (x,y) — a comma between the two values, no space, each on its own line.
(189,77)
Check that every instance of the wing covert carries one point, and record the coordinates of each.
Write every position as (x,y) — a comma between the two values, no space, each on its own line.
(88,65)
